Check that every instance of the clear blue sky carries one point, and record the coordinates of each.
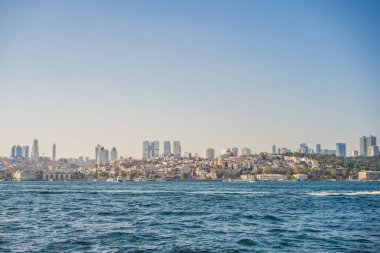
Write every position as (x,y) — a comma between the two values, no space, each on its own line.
(208,73)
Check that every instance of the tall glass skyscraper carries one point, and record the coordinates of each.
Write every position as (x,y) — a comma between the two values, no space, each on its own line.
(341,149)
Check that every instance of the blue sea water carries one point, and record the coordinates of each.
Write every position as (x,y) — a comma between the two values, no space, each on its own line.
(189,217)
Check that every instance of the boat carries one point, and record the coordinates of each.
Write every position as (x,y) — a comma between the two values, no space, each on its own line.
(119,179)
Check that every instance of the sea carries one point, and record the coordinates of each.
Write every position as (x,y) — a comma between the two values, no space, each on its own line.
(189,217)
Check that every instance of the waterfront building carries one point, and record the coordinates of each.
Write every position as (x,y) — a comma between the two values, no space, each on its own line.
(177,148)
(341,149)
(25,152)
(373,150)
(167,148)
(318,149)
(271,177)
(35,151)
(24,176)
(274,149)
(210,153)
(235,151)
(113,154)
(54,152)
(246,151)
(369,175)
(301,177)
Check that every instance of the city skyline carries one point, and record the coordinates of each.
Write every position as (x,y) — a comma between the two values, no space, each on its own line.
(159,148)
(246,74)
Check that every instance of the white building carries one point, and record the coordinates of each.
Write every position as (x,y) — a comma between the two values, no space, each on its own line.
(271,177)
(301,177)
(24,176)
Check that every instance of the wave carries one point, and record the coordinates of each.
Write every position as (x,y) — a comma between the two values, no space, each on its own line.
(344,193)
(225,192)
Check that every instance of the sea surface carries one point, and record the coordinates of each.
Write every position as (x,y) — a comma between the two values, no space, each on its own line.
(189,217)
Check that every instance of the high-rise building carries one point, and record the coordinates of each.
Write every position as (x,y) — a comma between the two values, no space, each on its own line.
(235,151)
(103,155)
(274,149)
(177,148)
(363,146)
(371,141)
(97,150)
(318,149)
(304,149)
(210,153)
(35,151)
(53,157)
(25,152)
(341,149)
(246,151)
(113,154)
(355,153)
(151,149)
(13,151)
(146,150)
(373,150)
(156,149)
(167,148)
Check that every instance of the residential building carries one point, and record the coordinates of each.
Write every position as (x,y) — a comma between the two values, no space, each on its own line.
(369,175)
(355,153)
(341,149)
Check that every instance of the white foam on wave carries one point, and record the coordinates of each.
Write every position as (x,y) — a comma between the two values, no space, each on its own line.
(344,193)
(226,192)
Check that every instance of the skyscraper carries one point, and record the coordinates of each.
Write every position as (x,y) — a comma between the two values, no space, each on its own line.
(53,157)
(13,151)
(371,141)
(35,152)
(210,153)
(25,152)
(151,149)
(113,154)
(318,149)
(246,151)
(97,150)
(156,149)
(177,148)
(304,148)
(274,149)
(167,148)
(363,146)
(341,149)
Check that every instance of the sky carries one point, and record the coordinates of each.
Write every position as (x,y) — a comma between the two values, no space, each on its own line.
(208,73)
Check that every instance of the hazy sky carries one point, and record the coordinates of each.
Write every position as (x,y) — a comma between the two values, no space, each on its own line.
(208,73)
